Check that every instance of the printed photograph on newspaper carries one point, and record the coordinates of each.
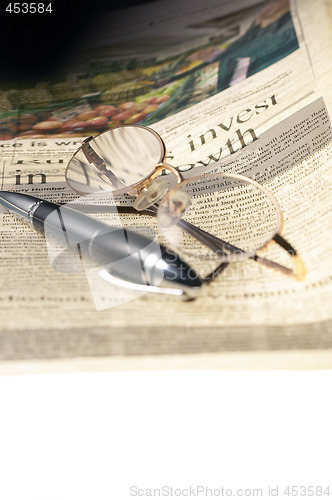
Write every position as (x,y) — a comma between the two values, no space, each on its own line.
(112,81)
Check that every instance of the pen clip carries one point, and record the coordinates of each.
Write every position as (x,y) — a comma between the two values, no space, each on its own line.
(129,285)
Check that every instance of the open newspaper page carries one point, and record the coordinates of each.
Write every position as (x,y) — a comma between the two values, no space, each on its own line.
(258,118)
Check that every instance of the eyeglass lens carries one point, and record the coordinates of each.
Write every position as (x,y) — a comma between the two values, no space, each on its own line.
(128,152)
(233,210)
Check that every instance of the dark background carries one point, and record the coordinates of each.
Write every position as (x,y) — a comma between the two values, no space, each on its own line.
(36,45)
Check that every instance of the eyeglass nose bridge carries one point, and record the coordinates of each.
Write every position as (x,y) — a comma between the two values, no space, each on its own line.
(150,190)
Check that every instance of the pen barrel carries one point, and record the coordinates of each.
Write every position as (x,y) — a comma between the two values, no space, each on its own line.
(70,227)
(126,254)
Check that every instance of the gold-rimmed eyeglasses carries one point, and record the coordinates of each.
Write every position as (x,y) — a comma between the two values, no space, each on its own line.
(219,216)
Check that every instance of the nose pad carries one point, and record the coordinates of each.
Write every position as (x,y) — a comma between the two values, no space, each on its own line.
(150,195)
(170,212)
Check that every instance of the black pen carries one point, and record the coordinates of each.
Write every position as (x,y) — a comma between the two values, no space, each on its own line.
(128,259)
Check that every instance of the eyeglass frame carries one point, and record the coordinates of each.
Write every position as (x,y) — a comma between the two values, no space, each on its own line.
(214,243)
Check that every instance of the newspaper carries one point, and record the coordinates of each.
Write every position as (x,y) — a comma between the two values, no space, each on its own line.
(280,127)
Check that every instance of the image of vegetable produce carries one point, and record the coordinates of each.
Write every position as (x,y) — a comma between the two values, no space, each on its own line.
(109,92)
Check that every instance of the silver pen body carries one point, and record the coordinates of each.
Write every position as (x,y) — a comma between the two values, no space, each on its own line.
(126,255)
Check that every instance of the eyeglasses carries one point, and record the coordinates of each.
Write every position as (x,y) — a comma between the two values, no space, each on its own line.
(219,217)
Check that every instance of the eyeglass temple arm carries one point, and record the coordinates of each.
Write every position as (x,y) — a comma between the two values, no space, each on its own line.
(92,157)
(218,246)
(299,270)
(212,242)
